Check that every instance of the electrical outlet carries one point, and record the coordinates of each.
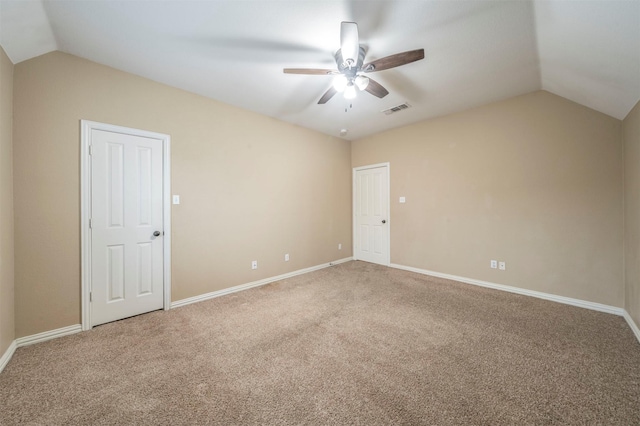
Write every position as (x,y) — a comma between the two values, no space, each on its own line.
(339,246)
(286,257)
(494,264)
(254,264)
(503,266)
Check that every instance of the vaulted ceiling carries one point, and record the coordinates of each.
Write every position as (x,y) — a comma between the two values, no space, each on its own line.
(234,51)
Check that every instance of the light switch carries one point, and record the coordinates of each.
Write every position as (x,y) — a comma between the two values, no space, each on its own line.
(176,199)
(403,200)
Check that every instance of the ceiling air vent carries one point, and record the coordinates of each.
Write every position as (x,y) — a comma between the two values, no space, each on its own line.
(396,108)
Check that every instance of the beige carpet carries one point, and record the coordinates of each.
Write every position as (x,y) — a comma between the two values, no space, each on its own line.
(352,344)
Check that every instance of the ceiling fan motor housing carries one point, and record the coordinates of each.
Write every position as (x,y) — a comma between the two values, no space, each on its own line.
(343,66)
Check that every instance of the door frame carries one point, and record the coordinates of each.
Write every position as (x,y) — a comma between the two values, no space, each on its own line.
(85,210)
(354,193)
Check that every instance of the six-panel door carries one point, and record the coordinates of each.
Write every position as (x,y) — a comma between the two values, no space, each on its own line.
(126,210)
(371,204)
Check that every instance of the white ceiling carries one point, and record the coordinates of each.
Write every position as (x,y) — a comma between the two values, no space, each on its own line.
(234,51)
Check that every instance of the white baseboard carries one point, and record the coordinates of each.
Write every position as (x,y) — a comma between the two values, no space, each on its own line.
(540,295)
(48,335)
(4,360)
(36,338)
(633,325)
(253,284)
(334,263)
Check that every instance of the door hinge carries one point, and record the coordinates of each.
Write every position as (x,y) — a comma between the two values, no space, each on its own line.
(90,297)
(90,149)
(90,224)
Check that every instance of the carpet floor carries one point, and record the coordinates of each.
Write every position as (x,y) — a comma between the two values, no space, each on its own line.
(356,343)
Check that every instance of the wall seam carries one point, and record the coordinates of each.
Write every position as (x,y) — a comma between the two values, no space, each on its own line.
(624,218)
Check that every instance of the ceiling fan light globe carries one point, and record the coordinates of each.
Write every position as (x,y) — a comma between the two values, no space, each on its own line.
(362,82)
(350,92)
(340,82)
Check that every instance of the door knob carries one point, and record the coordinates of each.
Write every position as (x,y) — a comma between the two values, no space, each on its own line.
(384,221)
(156,234)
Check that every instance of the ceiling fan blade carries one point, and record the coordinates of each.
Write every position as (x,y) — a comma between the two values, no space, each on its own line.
(309,71)
(327,95)
(393,61)
(376,89)
(349,43)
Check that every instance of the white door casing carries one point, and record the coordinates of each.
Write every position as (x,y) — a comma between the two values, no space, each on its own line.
(371,214)
(124,202)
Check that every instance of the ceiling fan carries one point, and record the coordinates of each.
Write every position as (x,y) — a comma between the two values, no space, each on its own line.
(351,67)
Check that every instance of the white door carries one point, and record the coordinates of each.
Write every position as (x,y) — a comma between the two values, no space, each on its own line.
(126,225)
(371,217)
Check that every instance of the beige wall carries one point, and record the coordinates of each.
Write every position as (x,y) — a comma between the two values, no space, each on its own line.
(251,187)
(631,137)
(535,181)
(6,204)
